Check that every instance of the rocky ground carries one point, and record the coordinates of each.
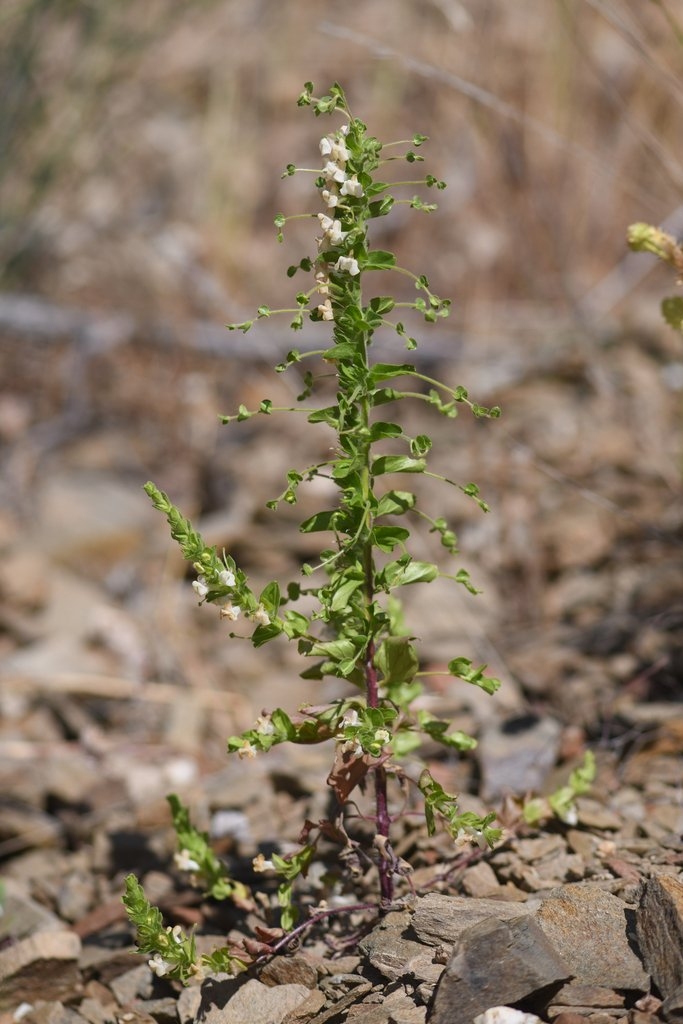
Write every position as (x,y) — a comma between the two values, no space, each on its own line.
(117,689)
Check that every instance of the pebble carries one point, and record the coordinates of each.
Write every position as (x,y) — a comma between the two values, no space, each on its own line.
(506,1015)
(496,962)
(46,965)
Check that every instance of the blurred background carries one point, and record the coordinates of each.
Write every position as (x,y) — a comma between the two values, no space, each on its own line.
(141,148)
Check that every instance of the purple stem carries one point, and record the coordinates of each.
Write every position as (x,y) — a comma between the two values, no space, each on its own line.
(383,820)
(319,915)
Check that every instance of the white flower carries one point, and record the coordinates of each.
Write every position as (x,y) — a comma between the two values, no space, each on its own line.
(340,153)
(323,283)
(344,130)
(159,966)
(231,611)
(331,228)
(382,736)
(352,747)
(326,146)
(184,862)
(335,233)
(348,264)
(468,834)
(176,933)
(350,717)
(264,725)
(261,616)
(333,172)
(329,198)
(570,815)
(200,586)
(352,187)
(260,863)
(325,310)
(247,750)
(227,578)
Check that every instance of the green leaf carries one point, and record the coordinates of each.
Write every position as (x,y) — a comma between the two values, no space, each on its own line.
(438,730)
(462,668)
(296,624)
(270,597)
(379,259)
(405,742)
(385,371)
(263,634)
(381,207)
(329,415)
(420,445)
(672,311)
(395,503)
(382,305)
(284,727)
(387,537)
(397,660)
(381,430)
(397,464)
(383,395)
(405,570)
(345,350)
(344,592)
(321,521)
(337,649)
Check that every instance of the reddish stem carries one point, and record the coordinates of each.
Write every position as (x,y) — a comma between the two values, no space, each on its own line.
(382,818)
(319,915)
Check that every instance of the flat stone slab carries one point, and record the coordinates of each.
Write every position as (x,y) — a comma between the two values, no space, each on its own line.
(441,920)
(45,965)
(495,962)
(594,933)
(660,931)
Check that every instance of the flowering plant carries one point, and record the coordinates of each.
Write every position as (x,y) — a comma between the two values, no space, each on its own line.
(354,632)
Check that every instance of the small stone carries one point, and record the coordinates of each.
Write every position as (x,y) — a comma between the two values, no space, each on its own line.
(76,895)
(495,962)
(46,965)
(672,1007)
(395,1008)
(480,880)
(163,1009)
(97,1012)
(188,1005)
(506,1015)
(249,1003)
(582,843)
(52,1013)
(576,994)
(593,814)
(289,970)
(135,984)
(302,1013)
(387,948)
(516,755)
(22,916)
(336,1011)
(581,919)
(659,925)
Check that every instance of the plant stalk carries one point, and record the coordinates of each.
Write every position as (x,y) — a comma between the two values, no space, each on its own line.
(383,821)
